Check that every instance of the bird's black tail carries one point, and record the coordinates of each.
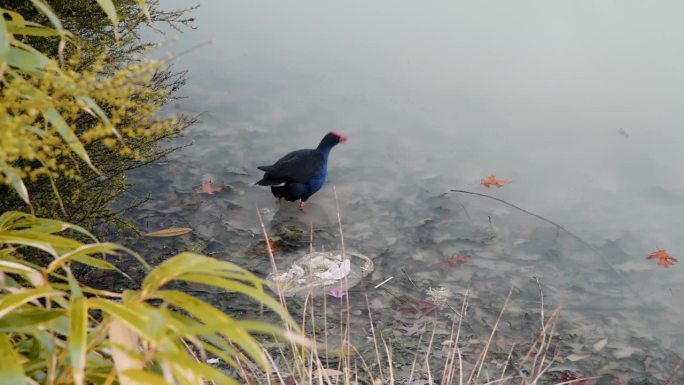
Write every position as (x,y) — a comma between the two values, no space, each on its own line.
(268,181)
(278,191)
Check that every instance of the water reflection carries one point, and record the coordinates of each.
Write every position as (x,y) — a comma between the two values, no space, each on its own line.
(579,104)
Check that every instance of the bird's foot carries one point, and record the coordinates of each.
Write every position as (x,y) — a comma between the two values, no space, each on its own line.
(301,206)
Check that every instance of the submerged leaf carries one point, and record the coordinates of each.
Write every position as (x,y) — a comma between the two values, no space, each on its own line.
(207,188)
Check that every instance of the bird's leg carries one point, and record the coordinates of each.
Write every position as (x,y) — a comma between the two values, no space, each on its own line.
(301,205)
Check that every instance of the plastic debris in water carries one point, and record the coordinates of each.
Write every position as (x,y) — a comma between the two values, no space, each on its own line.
(317,272)
(337,292)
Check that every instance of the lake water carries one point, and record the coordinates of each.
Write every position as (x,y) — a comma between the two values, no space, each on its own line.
(579,104)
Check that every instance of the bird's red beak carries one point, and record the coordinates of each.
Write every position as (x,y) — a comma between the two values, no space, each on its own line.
(342,137)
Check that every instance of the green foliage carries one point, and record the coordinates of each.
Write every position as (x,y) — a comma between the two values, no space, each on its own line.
(53,329)
(78,106)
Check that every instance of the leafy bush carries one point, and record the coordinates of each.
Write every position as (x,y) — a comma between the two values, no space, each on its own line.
(53,329)
(78,107)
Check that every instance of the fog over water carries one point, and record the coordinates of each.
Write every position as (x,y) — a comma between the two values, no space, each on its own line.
(579,103)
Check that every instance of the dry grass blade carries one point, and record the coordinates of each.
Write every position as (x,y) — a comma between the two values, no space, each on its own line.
(429,350)
(475,374)
(390,363)
(375,340)
(548,325)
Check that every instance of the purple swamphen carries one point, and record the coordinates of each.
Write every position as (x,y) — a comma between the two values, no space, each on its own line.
(299,174)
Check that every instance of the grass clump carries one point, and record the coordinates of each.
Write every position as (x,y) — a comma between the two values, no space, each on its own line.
(55,330)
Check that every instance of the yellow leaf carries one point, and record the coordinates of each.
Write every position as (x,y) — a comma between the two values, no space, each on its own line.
(169,232)
(108,7)
(78,332)
(15,180)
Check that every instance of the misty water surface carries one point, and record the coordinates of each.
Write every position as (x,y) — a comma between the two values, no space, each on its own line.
(579,103)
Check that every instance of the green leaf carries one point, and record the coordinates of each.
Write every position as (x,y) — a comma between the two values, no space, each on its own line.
(34,276)
(78,332)
(4,41)
(27,236)
(9,302)
(182,364)
(25,60)
(81,253)
(89,105)
(236,286)
(18,320)
(13,240)
(15,181)
(147,321)
(108,7)
(186,263)
(11,371)
(23,27)
(218,321)
(45,10)
(68,135)
(142,377)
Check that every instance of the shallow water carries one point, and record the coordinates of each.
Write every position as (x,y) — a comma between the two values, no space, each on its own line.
(579,104)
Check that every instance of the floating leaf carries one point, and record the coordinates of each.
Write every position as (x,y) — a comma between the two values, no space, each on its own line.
(169,232)
(663,257)
(492,181)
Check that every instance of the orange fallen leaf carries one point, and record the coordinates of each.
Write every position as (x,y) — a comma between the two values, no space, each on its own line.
(169,232)
(664,259)
(492,181)
(207,188)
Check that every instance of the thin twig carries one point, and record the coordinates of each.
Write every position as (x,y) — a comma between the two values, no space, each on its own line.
(409,278)
(542,322)
(390,363)
(674,372)
(570,233)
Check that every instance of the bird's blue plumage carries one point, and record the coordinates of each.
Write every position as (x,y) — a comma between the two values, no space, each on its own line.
(301,173)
